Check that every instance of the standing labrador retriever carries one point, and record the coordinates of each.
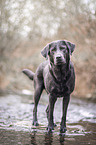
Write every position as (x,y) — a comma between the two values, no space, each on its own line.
(55,75)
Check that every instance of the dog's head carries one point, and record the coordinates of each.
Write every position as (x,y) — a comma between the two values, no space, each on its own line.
(58,52)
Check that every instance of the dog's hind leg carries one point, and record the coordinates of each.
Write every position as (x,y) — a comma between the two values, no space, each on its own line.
(37,94)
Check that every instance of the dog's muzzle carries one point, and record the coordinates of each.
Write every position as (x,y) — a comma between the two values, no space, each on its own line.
(59,59)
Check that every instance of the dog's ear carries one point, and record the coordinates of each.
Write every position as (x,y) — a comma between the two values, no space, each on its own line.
(70,46)
(45,51)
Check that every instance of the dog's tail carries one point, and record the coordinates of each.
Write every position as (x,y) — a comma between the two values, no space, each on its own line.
(29,73)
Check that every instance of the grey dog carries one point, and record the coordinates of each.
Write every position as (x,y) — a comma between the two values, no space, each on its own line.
(55,75)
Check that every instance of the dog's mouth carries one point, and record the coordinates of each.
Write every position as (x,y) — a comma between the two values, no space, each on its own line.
(60,62)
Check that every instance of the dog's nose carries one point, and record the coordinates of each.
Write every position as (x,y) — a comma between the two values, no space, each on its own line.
(58,56)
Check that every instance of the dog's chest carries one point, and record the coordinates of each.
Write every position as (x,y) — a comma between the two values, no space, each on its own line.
(57,88)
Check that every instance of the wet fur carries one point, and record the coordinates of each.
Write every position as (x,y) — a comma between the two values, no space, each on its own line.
(55,75)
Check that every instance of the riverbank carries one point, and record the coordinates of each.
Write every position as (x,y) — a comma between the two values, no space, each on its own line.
(16,121)
(40,137)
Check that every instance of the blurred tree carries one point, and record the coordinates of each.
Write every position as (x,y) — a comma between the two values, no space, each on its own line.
(25,24)
(36,19)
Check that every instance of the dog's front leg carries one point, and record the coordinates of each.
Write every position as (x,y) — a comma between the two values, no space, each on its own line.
(47,112)
(63,121)
(52,101)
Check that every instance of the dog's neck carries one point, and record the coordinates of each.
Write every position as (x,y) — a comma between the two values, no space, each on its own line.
(59,72)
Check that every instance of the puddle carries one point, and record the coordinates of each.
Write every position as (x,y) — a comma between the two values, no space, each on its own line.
(16,122)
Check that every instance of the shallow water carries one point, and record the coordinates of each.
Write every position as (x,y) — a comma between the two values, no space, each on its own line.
(16,122)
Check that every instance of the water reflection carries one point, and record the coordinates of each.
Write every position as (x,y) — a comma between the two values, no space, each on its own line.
(62,139)
(16,120)
(48,138)
(33,138)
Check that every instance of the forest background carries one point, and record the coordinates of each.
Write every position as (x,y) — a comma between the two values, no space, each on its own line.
(27,26)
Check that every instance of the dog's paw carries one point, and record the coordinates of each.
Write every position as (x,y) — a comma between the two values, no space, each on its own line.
(55,124)
(50,128)
(63,129)
(35,123)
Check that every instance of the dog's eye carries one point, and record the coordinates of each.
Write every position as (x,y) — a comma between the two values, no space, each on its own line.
(53,49)
(62,48)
